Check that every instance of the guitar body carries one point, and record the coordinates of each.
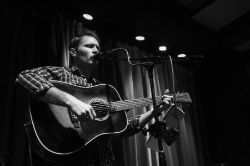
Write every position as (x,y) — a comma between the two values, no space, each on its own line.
(55,133)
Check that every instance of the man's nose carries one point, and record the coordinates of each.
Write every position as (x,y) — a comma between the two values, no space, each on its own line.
(95,50)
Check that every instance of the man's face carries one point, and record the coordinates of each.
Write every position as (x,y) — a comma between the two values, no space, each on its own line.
(84,53)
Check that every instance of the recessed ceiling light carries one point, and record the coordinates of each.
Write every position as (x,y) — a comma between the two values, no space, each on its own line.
(162,48)
(140,38)
(181,55)
(87,17)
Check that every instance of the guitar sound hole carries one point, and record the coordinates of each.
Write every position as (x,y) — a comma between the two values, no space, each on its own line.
(101,109)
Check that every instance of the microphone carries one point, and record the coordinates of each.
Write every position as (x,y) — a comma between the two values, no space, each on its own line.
(102,55)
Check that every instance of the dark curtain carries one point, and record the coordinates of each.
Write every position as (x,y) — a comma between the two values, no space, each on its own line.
(31,36)
(17,46)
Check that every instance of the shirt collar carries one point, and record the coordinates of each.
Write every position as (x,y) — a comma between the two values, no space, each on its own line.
(77,72)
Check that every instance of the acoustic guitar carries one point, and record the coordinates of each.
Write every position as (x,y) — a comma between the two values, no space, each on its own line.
(55,132)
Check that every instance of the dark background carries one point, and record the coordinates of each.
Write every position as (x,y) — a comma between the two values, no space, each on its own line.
(218,30)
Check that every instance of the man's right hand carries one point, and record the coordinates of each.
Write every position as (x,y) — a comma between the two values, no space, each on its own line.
(83,111)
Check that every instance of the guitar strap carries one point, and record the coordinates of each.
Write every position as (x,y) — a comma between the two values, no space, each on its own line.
(26,125)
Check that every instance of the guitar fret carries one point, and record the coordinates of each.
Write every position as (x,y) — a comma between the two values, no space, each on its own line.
(120,105)
(134,103)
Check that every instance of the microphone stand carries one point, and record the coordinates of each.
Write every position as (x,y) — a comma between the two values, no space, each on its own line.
(149,63)
(162,159)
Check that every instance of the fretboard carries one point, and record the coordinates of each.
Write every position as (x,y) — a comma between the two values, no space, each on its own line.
(133,103)
(144,102)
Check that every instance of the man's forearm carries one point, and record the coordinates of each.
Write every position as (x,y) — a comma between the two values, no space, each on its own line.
(145,118)
(57,97)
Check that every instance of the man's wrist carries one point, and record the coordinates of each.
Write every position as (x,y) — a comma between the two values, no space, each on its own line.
(152,113)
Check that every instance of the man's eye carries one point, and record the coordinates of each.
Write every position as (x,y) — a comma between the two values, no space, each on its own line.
(92,46)
(89,46)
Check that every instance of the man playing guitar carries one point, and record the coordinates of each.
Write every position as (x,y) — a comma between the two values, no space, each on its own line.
(38,85)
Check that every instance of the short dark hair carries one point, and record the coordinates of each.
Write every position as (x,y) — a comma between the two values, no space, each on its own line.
(74,43)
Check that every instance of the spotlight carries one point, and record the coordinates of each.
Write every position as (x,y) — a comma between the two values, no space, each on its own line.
(140,38)
(182,55)
(87,17)
(162,48)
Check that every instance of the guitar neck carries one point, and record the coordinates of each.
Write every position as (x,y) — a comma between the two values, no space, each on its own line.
(134,103)
(144,102)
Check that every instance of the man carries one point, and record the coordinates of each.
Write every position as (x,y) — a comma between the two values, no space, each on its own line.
(35,83)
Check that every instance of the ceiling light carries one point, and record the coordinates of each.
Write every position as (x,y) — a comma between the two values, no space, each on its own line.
(162,48)
(181,55)
(140,38)
(87,17)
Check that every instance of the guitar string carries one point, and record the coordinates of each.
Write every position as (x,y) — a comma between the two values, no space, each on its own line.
(138,102)
(135,103)
(128,103)
(122,105)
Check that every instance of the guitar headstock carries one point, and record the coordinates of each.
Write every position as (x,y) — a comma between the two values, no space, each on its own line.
(183,97)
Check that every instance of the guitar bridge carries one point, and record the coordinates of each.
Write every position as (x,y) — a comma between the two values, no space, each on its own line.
(74,120)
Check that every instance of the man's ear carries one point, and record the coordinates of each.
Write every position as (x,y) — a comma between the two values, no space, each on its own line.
(72,52)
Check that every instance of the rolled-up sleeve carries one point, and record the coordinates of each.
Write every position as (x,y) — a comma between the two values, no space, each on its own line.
(34,81)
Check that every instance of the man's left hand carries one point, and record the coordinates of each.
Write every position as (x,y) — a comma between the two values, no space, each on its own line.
(166,102)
